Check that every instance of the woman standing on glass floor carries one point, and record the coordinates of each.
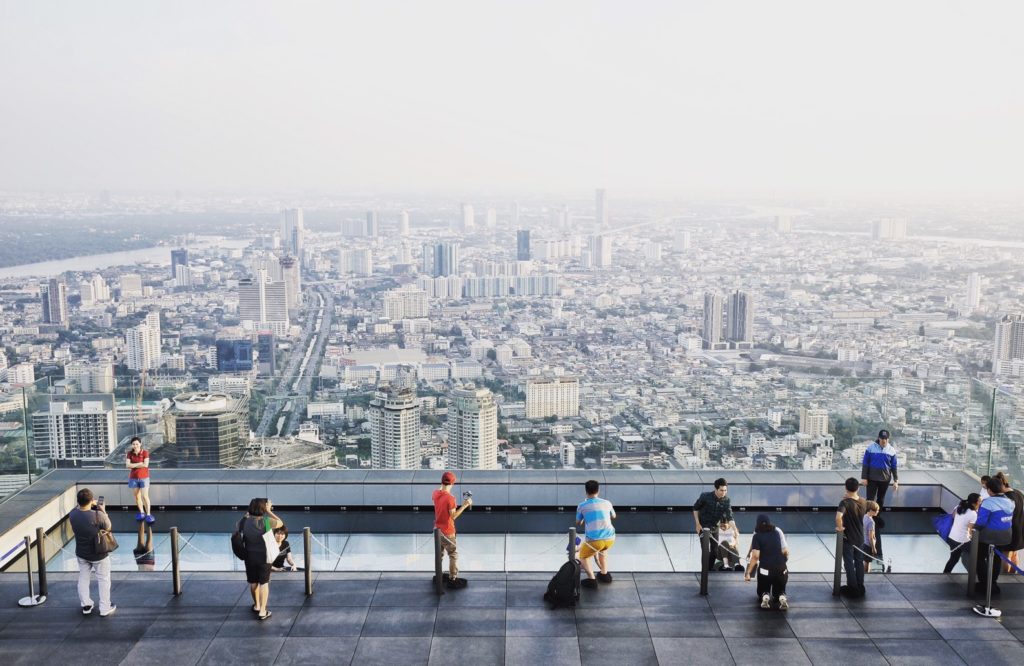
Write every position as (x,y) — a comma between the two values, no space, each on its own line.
(137,461)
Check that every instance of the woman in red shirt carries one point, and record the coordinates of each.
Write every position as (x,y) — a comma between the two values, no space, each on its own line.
(138,479)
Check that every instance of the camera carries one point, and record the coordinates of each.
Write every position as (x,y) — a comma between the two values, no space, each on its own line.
(467,495)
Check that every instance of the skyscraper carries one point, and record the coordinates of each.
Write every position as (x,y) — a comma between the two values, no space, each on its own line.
(491,219)
(681,241)
(468,217)
(552,396)
(209,430)
(403,223)
(523,245)
(813,422)
(1008,350)
(292,278)
(76,429)
(179,257)
(394,416)
(263,303)
(446,259)
(53,295)
(292,231)
(143,344)
(472,429)
(601,250)
(740,329)
(265,348)
(372,225)
(973,291)
(601,209)
(712,330)
(234,355)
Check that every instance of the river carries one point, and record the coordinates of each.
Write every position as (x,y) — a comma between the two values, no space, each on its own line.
(160,254)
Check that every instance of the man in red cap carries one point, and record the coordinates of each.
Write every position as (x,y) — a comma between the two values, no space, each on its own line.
(445,513)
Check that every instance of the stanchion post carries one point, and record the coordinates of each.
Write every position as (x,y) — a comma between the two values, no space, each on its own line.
(972,563)
(32,599)
(438,582)
(572,544)
(705,556)
(307,550)
(837,572)
(175,562)
(41,559)
(992,564)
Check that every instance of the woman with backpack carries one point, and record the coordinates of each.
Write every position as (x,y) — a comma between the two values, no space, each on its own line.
(960,533)
(257,522)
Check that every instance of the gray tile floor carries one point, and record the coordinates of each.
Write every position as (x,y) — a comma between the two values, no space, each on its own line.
(377,618)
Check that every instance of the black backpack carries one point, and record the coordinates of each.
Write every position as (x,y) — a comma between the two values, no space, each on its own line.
(238,542)
(564,588)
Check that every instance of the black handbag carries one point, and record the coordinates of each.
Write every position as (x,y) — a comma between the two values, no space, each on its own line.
(105,542)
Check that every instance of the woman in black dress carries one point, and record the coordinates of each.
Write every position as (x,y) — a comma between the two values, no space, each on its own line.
(257,521)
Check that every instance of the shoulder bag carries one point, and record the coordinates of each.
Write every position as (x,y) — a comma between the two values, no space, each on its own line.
(105,542)
(273,550)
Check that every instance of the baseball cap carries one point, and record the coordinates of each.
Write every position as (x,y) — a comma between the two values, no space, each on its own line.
(448,479)
(883,434)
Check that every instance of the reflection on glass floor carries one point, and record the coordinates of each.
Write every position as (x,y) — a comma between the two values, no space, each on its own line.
(201,551)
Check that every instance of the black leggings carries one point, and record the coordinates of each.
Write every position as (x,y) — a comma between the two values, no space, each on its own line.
(958,552)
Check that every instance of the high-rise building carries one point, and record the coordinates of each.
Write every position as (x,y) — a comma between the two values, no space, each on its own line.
(405,303)
(813,422)
(523,245)
(292,231)
(234,355)
(468,217)
(265,348)
(292,276)
(403,223)
(394,416)
(740,327)
(183,277)
(210,430)
(1008,350)
(601,209)
(552,396)
(712,329)
(491,218)
(472,429)
(131,285)
(179,257)
(100,288)
(889,228)
(681,240)
(91,377)
(372,224)
(76,429)
(143,344)
(362,262)
(53,295)
(652,252)
(263,303)
(601,250)
(973,291)
(783,224)
(567,452)
(446,259)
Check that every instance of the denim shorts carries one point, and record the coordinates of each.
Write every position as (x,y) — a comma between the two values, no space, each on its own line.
(138,483)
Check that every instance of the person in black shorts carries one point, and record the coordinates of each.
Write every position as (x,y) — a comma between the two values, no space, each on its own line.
(259,520)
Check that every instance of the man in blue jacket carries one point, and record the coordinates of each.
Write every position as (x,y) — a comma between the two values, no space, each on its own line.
(995,526)
(879,468)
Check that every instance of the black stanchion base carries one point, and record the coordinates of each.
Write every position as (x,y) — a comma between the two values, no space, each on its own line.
(987,611)
(29,602)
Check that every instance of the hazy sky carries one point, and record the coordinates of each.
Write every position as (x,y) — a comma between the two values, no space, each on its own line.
(892,97)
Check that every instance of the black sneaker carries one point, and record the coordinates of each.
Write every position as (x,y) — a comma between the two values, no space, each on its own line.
(861,592)
(590,583)
(87,610)
(604,578)
(456,583)
(737,567)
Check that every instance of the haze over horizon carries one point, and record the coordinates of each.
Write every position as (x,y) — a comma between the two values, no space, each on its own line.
(792,98)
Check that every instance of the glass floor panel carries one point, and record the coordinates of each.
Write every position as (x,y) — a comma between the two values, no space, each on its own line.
(206,551)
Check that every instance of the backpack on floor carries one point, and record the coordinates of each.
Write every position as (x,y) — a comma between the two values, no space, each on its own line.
(564,588)
(238,542)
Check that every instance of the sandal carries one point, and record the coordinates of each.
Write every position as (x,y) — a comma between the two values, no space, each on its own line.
(264,617)
(255,608)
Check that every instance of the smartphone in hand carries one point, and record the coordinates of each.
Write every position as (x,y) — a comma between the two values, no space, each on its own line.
(100,501)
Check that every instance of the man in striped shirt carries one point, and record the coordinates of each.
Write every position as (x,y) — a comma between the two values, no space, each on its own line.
(596,515)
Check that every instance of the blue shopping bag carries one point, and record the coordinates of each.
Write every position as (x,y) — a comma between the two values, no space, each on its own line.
(943,524)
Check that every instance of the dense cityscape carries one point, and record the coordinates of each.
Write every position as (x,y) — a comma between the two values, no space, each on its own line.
(406,334)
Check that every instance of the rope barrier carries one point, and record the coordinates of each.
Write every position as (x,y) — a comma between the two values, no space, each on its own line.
(325,547)
(188,542)
(1006,559)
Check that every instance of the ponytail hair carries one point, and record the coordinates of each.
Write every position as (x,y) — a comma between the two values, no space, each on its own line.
(965,504)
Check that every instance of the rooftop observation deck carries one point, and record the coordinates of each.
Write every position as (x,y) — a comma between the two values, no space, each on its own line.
(394,617)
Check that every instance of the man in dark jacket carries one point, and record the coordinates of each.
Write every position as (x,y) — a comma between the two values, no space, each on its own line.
(1017,526)
(710,509)
(87,519)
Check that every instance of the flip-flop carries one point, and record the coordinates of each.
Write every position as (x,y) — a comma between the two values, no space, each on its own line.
(264,617)
(255,609)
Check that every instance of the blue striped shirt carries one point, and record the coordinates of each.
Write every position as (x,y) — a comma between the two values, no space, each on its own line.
(597,514)
(880,463)
(995,519)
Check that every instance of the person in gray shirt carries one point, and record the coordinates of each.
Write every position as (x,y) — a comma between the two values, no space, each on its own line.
(87,519)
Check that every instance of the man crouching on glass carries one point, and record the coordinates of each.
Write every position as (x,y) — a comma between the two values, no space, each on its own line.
(445,513)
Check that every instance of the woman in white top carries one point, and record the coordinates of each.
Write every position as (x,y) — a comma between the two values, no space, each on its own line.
(960,534)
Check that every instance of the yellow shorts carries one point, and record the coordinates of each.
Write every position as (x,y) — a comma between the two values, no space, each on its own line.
(591,548)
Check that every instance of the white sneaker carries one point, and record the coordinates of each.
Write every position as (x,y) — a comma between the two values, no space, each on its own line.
(113,609)
(766,601)
(783,602)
